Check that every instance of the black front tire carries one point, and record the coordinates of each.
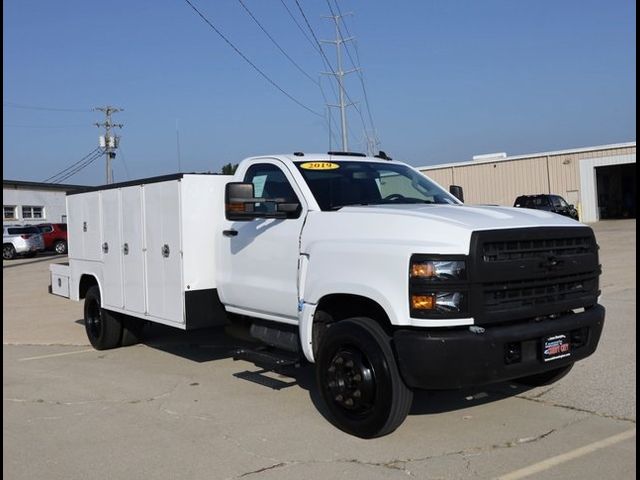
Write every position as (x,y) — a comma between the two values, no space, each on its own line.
(104,328)
(358,379)
(545,378)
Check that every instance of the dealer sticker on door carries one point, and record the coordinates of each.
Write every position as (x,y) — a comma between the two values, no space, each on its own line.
(555,347)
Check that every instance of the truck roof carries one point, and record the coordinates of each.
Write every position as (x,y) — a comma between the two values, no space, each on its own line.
(323,157)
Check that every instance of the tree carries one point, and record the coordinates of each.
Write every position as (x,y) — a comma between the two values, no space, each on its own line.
(229,169)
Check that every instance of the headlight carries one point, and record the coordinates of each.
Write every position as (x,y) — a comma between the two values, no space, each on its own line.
(438,270)
(439,302)
(438,286)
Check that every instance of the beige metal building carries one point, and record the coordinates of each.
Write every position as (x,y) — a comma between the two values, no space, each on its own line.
(600,181)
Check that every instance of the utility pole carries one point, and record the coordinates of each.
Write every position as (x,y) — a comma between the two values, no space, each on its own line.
(339,74)
(109,142)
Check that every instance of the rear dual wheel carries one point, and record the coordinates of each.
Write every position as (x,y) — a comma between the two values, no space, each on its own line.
(103,327)
(106,329)
(358,379)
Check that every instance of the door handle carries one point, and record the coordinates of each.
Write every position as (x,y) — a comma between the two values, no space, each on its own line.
(230,233)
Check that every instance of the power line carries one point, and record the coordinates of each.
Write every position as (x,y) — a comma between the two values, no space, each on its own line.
(329,118)
(358,69)
(293,62)
(63,171)
(43,126)
(246,59)
(124,163)
(316,82)
(80,167)
(72,165)
(315,47)
(324,62)
(50,109)
(342,90)
(306,20)
(371,143)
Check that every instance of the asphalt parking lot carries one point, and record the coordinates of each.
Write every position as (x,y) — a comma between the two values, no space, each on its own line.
(179,405)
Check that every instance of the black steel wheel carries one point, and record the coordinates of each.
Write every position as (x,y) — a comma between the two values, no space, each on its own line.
(8,252)
(60,247)
(545,378)
(358,379)
(104,328)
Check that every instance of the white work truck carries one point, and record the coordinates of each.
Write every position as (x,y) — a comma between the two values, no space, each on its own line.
(361,265)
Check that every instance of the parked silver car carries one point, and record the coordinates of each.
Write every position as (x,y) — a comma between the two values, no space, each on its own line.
(20,240)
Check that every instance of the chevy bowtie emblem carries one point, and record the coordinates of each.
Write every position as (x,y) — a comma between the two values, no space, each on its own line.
(550,262)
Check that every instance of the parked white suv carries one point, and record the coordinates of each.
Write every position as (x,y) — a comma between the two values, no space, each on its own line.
(21,240)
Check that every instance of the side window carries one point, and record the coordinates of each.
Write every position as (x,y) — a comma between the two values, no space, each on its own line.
(559,202)
(269,181)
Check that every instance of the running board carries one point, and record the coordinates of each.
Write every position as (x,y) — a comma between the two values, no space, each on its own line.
(268,359)
(261,379)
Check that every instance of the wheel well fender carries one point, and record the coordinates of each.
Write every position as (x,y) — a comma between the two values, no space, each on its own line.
(86,282)
(333,308)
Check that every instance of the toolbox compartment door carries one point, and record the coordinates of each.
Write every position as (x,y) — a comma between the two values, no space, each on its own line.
(165,294)
(112,289)
(60,274)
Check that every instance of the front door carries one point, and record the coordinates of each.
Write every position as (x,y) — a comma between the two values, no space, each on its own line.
(259,265)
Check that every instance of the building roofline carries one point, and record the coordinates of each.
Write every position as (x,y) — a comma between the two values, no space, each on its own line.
(42,185)
(530,155)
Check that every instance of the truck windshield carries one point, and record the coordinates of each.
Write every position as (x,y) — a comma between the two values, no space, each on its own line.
(340,184)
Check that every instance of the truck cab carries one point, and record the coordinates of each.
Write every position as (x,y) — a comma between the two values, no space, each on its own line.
(381,278)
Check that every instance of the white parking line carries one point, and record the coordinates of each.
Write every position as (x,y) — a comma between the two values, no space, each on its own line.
(565,457)
(56,355)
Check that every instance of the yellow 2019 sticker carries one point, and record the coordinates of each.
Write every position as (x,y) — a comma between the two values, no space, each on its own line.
(319,166)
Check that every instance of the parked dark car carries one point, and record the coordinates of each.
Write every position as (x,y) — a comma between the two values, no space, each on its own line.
(550,203)
(55,236)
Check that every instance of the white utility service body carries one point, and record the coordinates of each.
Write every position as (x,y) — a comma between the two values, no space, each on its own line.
(149,247)
(162,250)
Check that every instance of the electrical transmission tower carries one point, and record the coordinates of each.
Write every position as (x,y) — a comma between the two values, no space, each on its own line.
(109,142)
(339,74)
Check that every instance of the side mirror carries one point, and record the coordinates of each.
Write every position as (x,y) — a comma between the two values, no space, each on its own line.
(456,191)
(240,204)
(287,207)
(239,201)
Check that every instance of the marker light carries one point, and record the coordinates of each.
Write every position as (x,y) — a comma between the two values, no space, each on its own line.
(422,302)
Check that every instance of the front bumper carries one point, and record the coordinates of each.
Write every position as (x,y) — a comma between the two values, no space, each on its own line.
(459,358)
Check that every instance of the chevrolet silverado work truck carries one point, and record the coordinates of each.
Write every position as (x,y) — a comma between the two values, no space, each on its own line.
(360,265)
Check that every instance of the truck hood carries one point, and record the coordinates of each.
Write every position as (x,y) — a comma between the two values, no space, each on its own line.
(471,217)
(441,229)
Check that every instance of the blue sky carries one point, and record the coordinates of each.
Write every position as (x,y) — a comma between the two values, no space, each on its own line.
(445,80)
